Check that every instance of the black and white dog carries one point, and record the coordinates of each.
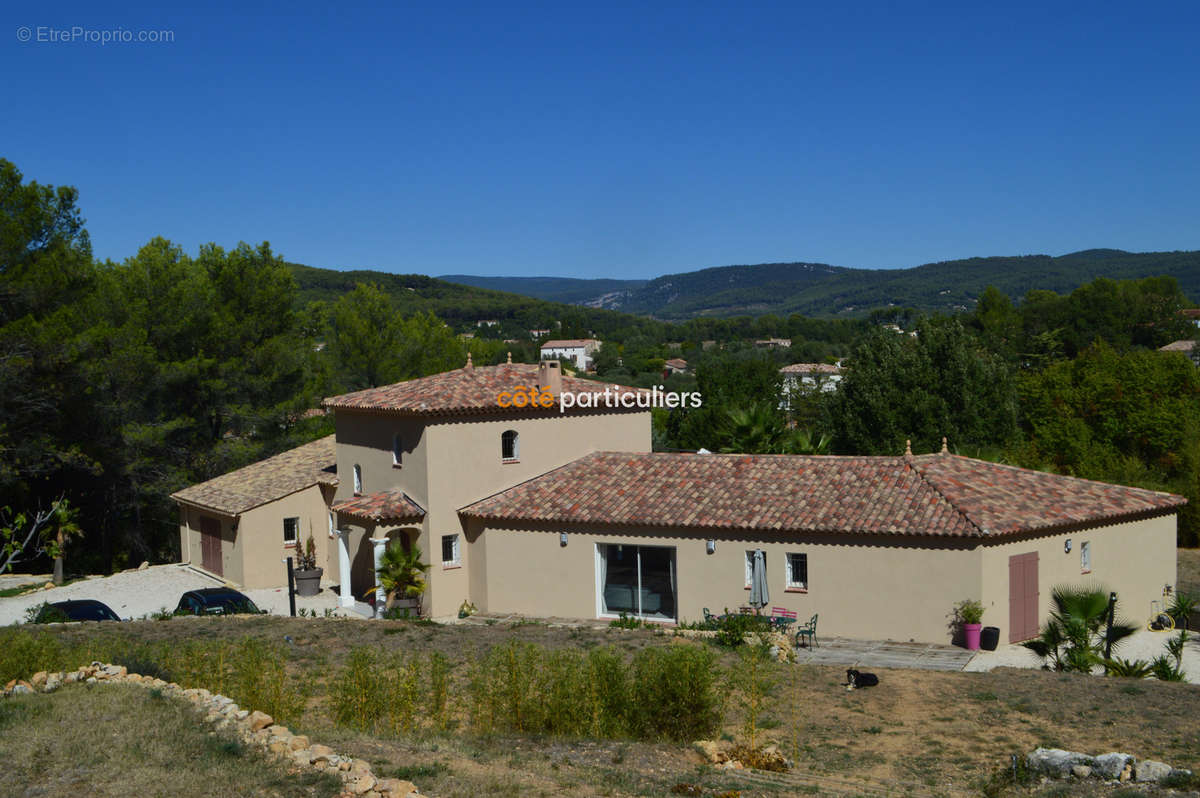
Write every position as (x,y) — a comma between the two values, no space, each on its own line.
(856,679)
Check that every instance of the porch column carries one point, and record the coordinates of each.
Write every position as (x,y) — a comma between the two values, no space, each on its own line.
(345,596)
(380,595)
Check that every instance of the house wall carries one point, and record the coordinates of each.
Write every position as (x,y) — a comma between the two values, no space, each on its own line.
(189,538)
(261,533)
(874,587)
(1134,558)
(465,466)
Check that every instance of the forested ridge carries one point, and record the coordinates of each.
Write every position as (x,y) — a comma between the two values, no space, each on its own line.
(123,382)
(817,289)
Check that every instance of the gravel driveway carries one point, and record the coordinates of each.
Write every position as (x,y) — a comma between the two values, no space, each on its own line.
(132,594)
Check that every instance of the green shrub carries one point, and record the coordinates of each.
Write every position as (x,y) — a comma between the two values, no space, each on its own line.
(359,691)
(259,680)
(733,629)
(675,693)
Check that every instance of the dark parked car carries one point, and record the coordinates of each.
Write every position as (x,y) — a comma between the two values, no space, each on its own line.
(76,610)
(215,601)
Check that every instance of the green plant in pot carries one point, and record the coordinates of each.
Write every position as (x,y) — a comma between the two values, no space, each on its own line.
(401,574)
(307,574)
(969,615)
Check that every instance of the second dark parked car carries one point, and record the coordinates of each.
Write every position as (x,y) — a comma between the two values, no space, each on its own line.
(215,601)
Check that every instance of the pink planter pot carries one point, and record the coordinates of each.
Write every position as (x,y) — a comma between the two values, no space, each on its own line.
(971,635)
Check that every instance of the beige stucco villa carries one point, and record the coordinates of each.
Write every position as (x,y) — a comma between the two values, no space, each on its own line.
(526,509)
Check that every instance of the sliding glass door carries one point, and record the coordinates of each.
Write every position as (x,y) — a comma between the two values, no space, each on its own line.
(636,580)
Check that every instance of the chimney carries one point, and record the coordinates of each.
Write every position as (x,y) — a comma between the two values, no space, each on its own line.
(550,377)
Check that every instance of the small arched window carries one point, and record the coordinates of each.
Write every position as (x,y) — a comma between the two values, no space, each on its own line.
(357,479)
(509,449)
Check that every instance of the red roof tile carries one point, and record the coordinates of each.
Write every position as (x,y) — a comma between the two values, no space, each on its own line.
(266,480)
(391,505)
(943,495)
(810,368)
(465,390)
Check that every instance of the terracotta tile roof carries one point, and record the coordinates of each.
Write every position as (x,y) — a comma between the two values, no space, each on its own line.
(943,495)
(810,368)
(465,390)
(390,505)
(569,343)
(1178,346)
(266,480)
(677,363)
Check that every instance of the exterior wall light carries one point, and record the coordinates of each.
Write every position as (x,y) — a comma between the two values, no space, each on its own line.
(562,538)
(1067,546)
(710,546)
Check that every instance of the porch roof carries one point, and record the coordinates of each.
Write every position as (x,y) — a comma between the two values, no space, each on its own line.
(388,505)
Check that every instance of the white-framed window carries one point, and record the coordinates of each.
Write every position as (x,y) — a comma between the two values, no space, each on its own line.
(797,571)
(397,450)
(1085,557)
(451,554)
(750,565)
(510,449)
(357,479)
(291,531)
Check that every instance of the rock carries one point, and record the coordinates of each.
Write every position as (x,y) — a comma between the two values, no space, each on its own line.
(53,682)
(359,766)
(343,765)
(230,710)
(48,586)
(298,742)
(242,714)
(280,731)
(1056,762)
(303,756)
(38,680)
(21,688)
(1150,770)
(279,747)
(363,783)
(72,677)
(710,751)
(91,680)
(1081,771)
(1180,773)
(1110,766)
(259,720)
(114,670)
(320,753)
(145,564)
(395,788)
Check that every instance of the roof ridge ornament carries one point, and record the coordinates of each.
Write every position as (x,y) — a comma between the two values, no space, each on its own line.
(509,359)
(469,365)
(944,450)
(908,448)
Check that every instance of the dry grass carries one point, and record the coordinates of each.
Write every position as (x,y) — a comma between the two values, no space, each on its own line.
(940,733)
(115,740)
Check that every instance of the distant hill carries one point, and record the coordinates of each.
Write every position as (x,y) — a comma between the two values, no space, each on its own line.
(817,289)
(553,289)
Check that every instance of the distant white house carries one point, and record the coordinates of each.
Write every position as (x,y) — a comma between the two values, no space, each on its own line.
(808,377)
(675,365)
(577,350)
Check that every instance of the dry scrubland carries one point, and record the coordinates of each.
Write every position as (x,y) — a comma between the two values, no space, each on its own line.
(923,732)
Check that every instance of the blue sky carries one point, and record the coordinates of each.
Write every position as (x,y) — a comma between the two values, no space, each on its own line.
(617,140)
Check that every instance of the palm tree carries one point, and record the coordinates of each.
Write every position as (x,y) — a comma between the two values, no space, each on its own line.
(760,429)
(1077,636)
(63,524)
(401,573)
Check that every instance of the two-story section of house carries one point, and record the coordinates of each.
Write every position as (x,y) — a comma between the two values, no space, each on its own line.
(411,455)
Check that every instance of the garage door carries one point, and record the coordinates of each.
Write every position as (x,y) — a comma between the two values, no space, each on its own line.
(210,545)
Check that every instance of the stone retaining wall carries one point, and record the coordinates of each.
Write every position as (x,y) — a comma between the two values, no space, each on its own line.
(254,728)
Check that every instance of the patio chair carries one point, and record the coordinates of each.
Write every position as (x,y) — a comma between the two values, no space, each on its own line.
(808,630)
